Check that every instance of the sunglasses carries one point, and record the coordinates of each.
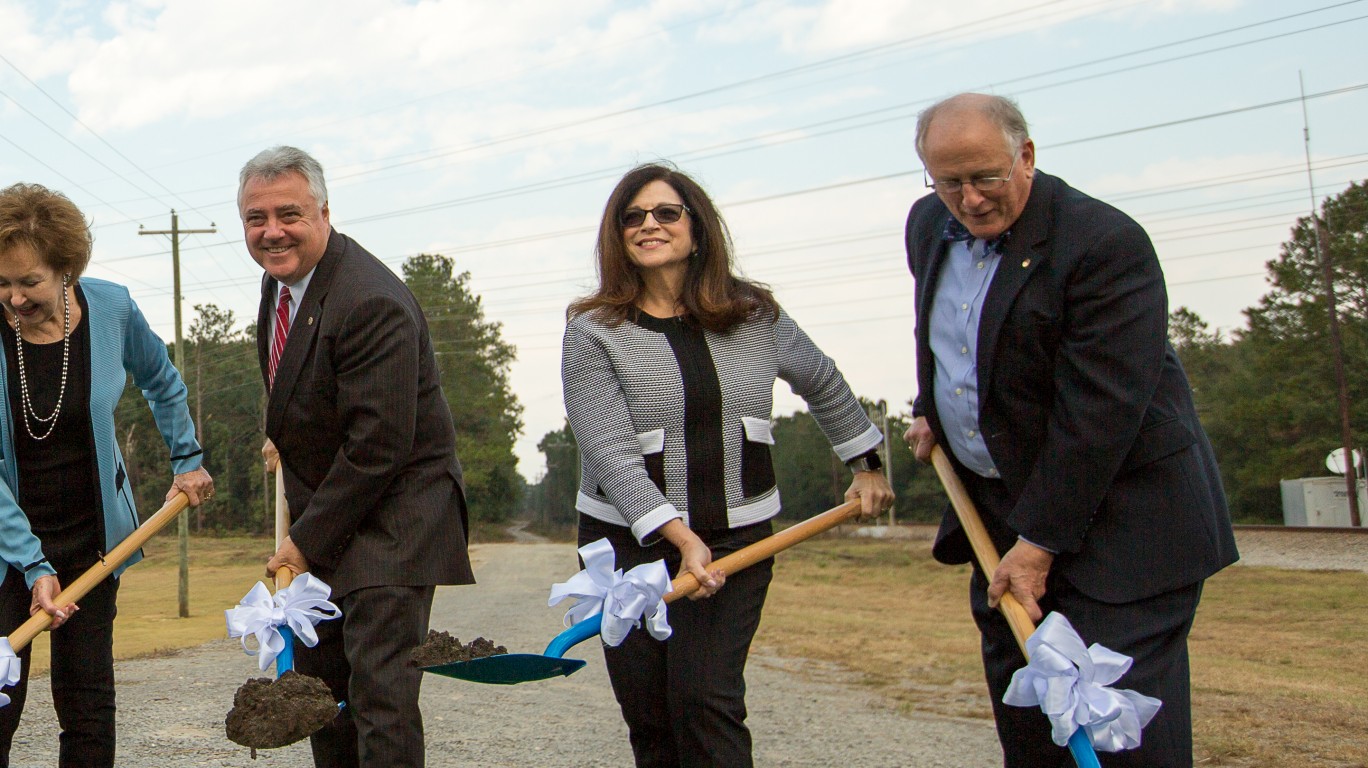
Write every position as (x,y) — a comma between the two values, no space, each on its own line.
(665,213)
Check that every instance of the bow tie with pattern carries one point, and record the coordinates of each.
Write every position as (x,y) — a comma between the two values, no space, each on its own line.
(955,231)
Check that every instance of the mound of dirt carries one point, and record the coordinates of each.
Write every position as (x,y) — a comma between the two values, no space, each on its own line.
(268,714)
(442,648)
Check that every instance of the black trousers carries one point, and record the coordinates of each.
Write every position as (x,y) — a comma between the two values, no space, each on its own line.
(364,659)
(684,699)
(82,672)
(1152,631)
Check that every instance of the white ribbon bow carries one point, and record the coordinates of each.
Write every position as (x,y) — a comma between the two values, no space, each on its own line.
(9,668)
(1068,681)
(623,599)
(300,606)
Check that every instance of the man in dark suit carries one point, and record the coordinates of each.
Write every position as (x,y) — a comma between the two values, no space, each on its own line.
(366,439)
(1044,369)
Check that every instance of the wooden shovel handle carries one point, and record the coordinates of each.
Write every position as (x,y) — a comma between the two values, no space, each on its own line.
(97,573)
(283,576)
(745,557)
(984,551)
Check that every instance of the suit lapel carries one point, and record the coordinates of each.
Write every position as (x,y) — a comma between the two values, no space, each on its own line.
(928,240)
(268,289)
(1026,249)
(303,333)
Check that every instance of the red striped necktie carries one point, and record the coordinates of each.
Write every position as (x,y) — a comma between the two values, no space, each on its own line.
(282,329)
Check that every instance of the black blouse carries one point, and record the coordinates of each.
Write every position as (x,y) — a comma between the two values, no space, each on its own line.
(57,475)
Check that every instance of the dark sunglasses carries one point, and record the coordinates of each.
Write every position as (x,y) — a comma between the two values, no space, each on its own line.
(665,213)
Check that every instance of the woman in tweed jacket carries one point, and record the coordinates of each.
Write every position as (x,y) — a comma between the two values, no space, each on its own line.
(668,371)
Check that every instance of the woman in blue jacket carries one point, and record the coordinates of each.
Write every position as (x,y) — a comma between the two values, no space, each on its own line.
(69,344)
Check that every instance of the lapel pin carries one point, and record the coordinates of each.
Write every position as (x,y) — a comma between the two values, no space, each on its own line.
(1024,264)
(311,316)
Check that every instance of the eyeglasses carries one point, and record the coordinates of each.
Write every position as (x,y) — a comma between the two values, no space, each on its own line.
(982,183)
(665,213)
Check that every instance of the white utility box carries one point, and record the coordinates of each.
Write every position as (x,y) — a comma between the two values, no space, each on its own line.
(1320,501)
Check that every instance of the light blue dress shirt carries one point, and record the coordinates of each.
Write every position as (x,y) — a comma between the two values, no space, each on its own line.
(960,292)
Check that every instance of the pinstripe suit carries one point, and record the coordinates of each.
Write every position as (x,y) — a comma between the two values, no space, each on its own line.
(374,488)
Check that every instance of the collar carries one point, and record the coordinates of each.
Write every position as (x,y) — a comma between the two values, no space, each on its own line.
(297,289)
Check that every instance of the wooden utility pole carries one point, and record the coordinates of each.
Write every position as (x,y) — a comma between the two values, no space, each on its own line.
(1336,343)
(183,522)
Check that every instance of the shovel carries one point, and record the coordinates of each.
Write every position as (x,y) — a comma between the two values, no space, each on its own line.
(285,659)
(511,668)
(1080,746)
(98,572)
(265,716)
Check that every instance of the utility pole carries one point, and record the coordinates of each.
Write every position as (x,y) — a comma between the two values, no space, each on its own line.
(183,521)
(1336,343)
(888,456)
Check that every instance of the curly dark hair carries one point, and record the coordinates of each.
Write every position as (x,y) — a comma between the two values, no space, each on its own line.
(47,222)
(714,297)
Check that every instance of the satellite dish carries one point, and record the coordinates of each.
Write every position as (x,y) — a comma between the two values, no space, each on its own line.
(1335,461)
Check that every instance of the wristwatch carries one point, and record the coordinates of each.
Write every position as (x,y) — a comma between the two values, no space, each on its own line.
(867,462)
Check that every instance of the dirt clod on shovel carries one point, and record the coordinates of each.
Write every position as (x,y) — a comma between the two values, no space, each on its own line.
(442,648)
(268,713)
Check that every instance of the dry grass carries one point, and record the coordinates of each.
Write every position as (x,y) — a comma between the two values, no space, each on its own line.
(222,570)
(1277,670)
(1277,655)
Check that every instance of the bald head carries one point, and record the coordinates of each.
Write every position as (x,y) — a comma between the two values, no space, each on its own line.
(1000,111)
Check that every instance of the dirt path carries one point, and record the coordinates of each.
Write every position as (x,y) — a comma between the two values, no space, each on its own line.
(171,709)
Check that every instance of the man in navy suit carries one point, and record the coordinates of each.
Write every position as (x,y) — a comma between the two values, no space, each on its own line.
(368,449)
(1044,370)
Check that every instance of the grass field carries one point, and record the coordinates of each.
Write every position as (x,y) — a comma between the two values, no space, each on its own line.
(1277,655)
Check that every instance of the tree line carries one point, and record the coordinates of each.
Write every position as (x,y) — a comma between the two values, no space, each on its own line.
(1266,393)
(227,401)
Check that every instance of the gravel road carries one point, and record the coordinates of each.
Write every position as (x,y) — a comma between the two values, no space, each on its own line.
(802,713)
(171,709)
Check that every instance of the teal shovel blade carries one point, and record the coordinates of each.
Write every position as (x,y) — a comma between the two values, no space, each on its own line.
(513,668)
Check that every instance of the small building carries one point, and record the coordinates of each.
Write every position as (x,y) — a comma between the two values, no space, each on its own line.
(1320,501)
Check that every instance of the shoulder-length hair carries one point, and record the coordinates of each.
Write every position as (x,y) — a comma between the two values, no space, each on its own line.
(714,297)
(49,224)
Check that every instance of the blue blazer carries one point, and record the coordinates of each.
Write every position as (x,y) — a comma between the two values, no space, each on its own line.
(1085,408)
(121,343)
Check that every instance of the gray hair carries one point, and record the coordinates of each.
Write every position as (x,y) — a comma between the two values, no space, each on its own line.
(1002,111)
(271,164)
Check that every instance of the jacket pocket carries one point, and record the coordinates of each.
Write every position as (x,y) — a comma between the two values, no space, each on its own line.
(653,453)
(757,466)
(1157,441)
(121,490)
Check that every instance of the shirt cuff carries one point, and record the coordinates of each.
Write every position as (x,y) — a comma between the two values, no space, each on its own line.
(1032,543)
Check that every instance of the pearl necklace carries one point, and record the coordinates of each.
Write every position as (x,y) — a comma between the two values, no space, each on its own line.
(29,412)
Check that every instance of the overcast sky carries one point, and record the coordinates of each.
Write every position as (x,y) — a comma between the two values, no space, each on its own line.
(493,133)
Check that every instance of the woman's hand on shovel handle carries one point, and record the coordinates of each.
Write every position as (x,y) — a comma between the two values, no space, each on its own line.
(197,485)
(1023,570)
(45,590)
(695,557)
(873,491)
(288,556)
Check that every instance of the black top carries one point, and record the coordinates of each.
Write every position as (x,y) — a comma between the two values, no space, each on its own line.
(703,444)
(57,479)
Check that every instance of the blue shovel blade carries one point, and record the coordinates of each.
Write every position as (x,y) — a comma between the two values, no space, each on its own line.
(508,668)
(513,668)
